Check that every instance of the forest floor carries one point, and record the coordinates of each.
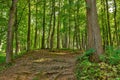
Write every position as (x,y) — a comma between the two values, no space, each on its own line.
(42,65)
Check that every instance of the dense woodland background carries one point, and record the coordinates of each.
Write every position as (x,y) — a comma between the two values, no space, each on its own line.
(55,24)
(91,27)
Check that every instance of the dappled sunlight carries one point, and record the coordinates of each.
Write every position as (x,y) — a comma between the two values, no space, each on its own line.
(60,53)
(42,60)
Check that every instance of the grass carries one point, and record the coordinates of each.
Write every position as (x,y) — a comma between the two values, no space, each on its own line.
(2,58)
(19,55)
(3,66)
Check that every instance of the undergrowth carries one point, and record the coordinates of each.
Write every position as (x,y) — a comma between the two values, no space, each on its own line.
(2,58)
(107,69)
(3,66)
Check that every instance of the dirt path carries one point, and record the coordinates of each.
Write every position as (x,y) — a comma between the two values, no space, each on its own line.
(42,65)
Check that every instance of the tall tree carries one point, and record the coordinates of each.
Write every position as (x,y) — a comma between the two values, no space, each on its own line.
(54,21)
(16,33)
(108,23)
(58,28)
(115,22)
(94,37)
(103,22)
(29,24)
(78,28)
(50,25)
(35,39)
(44,24)
(70,3)
(9,49)
(106,34)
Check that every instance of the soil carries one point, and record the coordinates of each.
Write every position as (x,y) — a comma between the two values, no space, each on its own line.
(42,65)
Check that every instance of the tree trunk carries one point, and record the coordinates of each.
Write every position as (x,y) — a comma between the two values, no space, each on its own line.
(29,23)
(36,28)
(9,51)
(50,25)
(16,34)
(58,29)
(69,43)
(108,24)
(43,36)
(105,23)
(78,27)
(115,23)
(94,37)
(54,21)
(75,33)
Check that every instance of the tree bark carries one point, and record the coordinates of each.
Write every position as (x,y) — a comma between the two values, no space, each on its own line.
(69,43)
(94,37)
(36,28)
(108,24)
(58,29)
(16,34)
(29,23)
(43,36)
(54,21)
(50,26)
(9,49)
(115,23)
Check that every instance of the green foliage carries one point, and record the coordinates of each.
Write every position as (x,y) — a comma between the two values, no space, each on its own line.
(19,55)
(2,58)
(111,56)
(107,69)
(85,55)
(86,70)
(36,78)
(89,52)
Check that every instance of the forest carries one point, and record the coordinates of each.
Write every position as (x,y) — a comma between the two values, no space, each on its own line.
(59,40)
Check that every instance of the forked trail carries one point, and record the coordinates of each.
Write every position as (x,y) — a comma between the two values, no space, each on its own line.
(42,65)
